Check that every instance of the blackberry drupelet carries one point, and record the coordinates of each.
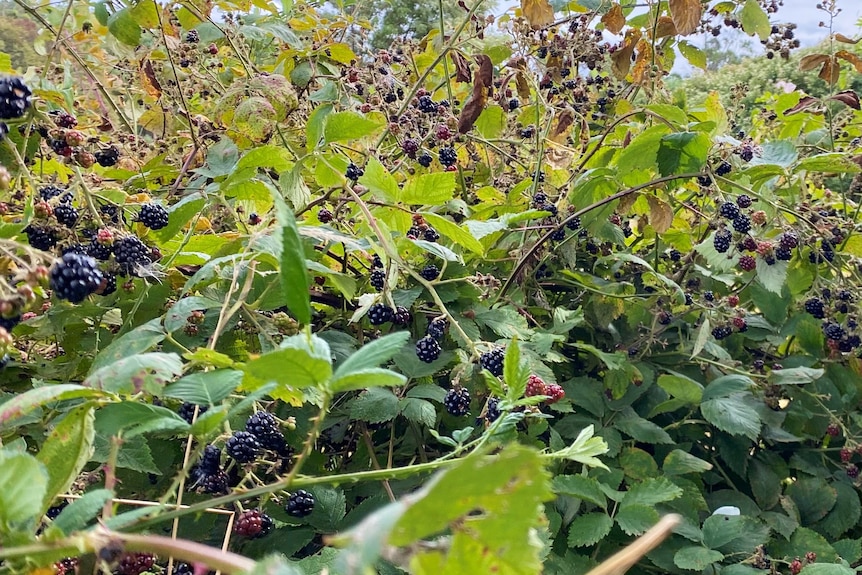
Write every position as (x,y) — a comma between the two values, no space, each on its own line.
(300,503)
(108,157)
(73,249)
(41,238)
(130,253)
(64,120)
(376,262)
(728,210)
(242,446)
(187,410)
(742,223)
(253,524)
(108,285)
(744,201)
(377,279)
(153,216)
(414,232)
(14,97)
(447,156)
(437,328)
(814,306)
(380,313)
(722,331)
(457,401)
(430,272)
(428,349)
(353,172)
(549,207)
(74,277)
(66,214)
(401,316)
(722,240)
(493,360)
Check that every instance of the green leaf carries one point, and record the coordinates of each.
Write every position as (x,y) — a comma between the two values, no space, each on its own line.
(303,361)
(679,462)
(315,124)
(293,273)
(275,157)
(24,403)
(584,449)
(833,162)
(276,564)
(589,529)
(67,450)
(827,569)
(765,484)
(641,429)
(845,513)
(801,542)
(141,339)
(23,486)
(80,512)
(771,277)
(205,387)
(582,487)
(379,181)
(373,354)
(683,152)
(813,498)
(635,519)
(135,418)
(696,558)
(794,376)
(681,388)
(754,20)
(641,152)
(134,454)
(346,126)
(371,377)
(735,415)
(142,372)
(375,405)
(491,122)
(123,27)
(293,187)
(418,411)
(695,56)
(515,372)
(438,250)
(454,232)
(727,385)
(176,318)
(650,492)
(432,189)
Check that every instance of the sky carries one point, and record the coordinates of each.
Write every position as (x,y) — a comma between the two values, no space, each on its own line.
(807,17)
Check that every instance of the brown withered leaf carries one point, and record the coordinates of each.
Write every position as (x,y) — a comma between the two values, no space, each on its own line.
(626,202)
(462,66)
(804,102)
(686,15)
(614,19)
(483,85)
(522,85)
(151,83)
(485,74)
(622,58)
(848,98)
(812,61)
(845,39)
(852,58)
(539,13)
(561,129)
(558,157)
(830,70)
(660,214)
(643,62)
(664,28)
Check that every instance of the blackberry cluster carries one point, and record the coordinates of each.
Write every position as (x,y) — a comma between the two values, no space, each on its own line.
(728,210)
(265,428)
(108,157)
(427,105)
(722,240)
(493,360)
(815,307)
(66,215)
(41,238)
(457,401)
(353,172)
(437,328)
(135,563)
(428,349)
(377,279)
(242,446)
(253,524)
(300,503)
(401,316)
(722,331)
(74,277)
(130,253)
(192,37)
(187,410)
(430,272)
(447,156)
(380,313)
(14,97)
(153,216)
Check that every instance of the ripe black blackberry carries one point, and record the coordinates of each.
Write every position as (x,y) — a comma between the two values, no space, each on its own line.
(376,262)
(574,223)
(722,331)
(425,159)
(849,343)
(742,223)
(493,412)
(493,360)
(153,216)
(14,97)
(722,240)
(242,446)
(264,426)
(783,253)
(377,279)
(135,563)
(210,459)
(74,277)
(513,104)
(728,210)
(254,524)
(746,152)
(428,349)
(704,181)
(430,234)
(430,272)
(549,207)
(75,248)
(66,215)
(558,235)
(187,410)
(844,295)
(131,253)
(539,199)
(825,254)
(300,503)
(527,132)
(99,251)
(324,216)
(833,330)
(213,483)
(723,168)
(789,240)
(447,156)
(353,172)
(427,105)
(437,328)
(814,306)
(181,568)
(457,401)
(380,313)
(108,157)
(747,263)
(192,37)
(41,238)
(49,192)
(111,213)
(744,201)
(402,316)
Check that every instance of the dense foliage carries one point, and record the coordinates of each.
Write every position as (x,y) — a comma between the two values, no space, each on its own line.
(488,301)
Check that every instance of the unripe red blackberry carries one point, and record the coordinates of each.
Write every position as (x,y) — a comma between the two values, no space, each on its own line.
(535,386)
(253,524)
(555,393)
(135,563)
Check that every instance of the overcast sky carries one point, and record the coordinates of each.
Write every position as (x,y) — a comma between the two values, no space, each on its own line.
(805,14)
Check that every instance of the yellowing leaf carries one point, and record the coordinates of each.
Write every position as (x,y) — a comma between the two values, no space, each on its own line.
(686,15)
(341,52)
(538,12)
(614,19)
(852,58)
(660,214)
